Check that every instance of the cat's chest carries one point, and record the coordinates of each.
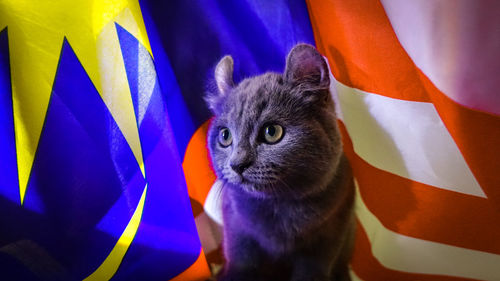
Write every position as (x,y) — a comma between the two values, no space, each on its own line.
(273,216)
(275,224)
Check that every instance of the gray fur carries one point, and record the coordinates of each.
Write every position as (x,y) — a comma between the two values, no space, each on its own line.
(288,214)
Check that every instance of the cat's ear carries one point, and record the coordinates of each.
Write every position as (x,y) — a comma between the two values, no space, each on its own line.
(305,65)
(224,79)
(224,75)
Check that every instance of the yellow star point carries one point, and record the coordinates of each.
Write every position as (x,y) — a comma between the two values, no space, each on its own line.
(36,31)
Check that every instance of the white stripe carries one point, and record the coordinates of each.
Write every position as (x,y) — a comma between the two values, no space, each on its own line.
(403,253)
(405,138)
(333,91)
(213,203)
(455,43)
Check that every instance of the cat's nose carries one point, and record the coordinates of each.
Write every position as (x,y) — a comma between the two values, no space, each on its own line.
(239,167)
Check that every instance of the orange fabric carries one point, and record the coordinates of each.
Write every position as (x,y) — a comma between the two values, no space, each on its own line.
(421,211)
(197,167)
(477,135)
(367,267)
(199,179)
(362,49)
(198,271)
(364,52)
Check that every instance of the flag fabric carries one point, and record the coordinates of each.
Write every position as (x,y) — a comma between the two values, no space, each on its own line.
(92,185)
(104,167)
(416,84)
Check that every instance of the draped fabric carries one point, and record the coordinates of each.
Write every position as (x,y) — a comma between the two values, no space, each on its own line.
(416,84)
(104,166)
(92,185)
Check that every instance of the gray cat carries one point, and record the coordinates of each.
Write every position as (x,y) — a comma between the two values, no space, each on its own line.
(287,197)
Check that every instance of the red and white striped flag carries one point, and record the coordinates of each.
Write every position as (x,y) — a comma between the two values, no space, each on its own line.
(416,84)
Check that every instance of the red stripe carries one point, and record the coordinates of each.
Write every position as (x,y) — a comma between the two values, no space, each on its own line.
(426,212)
(365,53)
(477,135)
(216,256)
(197,167)
(367,267)
(363,50)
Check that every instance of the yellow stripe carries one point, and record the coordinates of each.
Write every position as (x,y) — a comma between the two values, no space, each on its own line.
(110,265)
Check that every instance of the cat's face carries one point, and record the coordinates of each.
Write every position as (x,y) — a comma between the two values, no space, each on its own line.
(273,135)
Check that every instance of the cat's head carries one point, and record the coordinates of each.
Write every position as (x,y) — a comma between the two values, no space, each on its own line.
(275,134)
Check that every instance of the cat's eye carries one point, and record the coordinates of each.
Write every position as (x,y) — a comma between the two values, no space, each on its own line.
(225,137)
(273,133)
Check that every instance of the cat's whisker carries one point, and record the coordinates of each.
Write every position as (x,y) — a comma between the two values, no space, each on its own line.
(218,195)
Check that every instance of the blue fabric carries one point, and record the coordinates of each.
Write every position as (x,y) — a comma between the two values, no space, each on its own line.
(76,163)
(189,37)
(169,235)
(85,182)
(8,162)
